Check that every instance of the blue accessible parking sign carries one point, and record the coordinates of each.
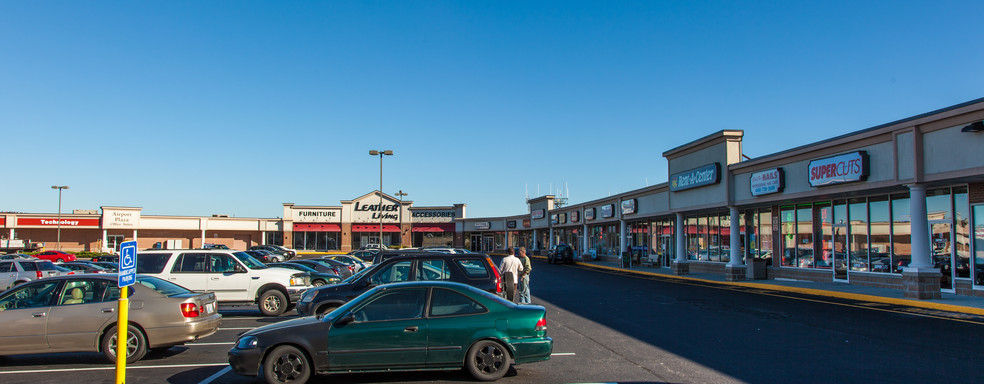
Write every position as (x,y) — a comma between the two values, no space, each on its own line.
(128,264)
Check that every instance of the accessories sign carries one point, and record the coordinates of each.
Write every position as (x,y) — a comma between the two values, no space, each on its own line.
(766,182)
(846,168)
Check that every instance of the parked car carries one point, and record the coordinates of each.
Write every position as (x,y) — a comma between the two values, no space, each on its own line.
(365,255)
(323,265)
(83,267)
(111,267)
(62,271)
(79,316)
(11,256)
(19,271)
(473,269)
(235,277)
(353,261)
(115,259)
(214,246)
(58,256)
(435,325)
(286,252)
(377,247)
(317,278)
(561,253)
(266,256)
(380,256)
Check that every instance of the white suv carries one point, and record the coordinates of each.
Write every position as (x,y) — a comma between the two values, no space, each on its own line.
(235,277)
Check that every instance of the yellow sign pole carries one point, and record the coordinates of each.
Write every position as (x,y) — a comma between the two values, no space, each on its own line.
(121,335)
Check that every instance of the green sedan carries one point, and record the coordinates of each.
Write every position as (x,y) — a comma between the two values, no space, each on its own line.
(429,325)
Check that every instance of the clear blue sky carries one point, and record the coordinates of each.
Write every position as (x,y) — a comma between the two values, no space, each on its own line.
(234,107)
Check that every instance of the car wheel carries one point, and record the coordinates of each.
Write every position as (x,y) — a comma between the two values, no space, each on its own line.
(325,309)
(277,259)
(286,364)
(60,260)
(318,283)
(136,344)
(272,303)
(487,360)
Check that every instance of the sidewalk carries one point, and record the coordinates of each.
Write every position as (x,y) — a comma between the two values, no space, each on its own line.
(949,302)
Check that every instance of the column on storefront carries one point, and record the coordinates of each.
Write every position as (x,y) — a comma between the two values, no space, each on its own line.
(735,269)
(921,279)
(624,250)
(680,265)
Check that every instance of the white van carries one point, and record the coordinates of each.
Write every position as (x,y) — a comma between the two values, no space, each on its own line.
(235,277)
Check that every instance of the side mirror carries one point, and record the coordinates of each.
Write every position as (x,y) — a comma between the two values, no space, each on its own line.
(347,318)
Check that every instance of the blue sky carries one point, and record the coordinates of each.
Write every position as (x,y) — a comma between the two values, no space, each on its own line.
(234,107)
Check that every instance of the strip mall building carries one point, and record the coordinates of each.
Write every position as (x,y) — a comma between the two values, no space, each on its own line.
(348,226)
(842,210)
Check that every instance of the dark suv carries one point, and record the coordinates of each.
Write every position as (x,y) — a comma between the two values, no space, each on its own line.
(561,253)
(473,269)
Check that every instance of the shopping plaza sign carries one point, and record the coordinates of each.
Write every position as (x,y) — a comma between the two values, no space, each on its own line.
(846,168)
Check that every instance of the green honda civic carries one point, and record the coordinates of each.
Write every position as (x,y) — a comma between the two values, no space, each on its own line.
(424,325)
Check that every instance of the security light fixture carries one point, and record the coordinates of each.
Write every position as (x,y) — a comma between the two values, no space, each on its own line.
(976,126)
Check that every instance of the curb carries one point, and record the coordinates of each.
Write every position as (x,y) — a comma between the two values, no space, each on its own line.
(808,291)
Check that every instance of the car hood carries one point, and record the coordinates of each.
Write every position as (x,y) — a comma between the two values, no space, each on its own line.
(299,322)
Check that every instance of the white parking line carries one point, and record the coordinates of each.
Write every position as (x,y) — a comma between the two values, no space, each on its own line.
(236,329)
(114,368)
(216,375)
(232,343)
(563,354)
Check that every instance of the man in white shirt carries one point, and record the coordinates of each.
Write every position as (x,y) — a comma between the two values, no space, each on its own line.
(510,268)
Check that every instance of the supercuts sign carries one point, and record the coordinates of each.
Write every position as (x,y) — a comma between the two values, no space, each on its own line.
(846,168)
(766,182)
(706,175)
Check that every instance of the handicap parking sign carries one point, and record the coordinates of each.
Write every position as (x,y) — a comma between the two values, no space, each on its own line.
(128,264)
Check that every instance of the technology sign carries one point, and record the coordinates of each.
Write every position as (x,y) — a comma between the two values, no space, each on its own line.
(846,168)
(766,182)
(706,175)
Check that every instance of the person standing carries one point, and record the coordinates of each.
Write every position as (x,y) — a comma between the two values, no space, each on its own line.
(510,266)
(524,277)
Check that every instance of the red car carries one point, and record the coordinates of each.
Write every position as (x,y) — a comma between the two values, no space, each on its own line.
(58,256)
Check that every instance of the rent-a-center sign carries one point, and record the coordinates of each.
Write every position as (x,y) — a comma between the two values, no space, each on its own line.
(846,168)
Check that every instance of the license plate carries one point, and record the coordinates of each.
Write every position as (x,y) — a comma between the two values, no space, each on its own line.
(210,308)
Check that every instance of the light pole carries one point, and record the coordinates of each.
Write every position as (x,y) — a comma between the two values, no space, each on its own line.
(400,195)
(59,188)
(380,153)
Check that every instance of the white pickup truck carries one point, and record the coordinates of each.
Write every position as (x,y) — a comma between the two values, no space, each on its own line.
(235,277)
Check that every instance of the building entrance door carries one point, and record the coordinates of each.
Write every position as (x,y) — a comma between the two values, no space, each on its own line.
(840,252)
(488,243)
(476,243)
(940,242)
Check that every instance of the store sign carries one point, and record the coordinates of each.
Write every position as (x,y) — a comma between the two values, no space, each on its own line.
(526,223)
(370,210)
(538,214)
(54,222)
(563,218)
(589,214)
(607,210)
(511,224)
(427,214)
(575,216)
(433,216)
(554,219)
(706,175)
(629,206)
(846,168)
(480,225)
(120,218)
(318,215)
(766,182)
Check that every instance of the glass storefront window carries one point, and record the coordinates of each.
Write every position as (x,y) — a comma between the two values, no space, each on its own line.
(901,238)
(858,246)
(693,238)
(713,239)
(765,235)
(804,236)
(879,258)
(787,217)
(979,245)
(725,240)
(961,232)
(825,258)
(274,238)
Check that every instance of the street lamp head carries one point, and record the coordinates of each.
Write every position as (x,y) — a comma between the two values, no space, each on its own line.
(59,187)
(373,153)
(388,152)
(380,153)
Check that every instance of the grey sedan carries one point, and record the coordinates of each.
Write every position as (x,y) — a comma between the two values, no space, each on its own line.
(77,313)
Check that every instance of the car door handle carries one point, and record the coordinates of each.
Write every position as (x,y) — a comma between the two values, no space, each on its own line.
(215,278)
(108,310)
(38,314)
(410,329)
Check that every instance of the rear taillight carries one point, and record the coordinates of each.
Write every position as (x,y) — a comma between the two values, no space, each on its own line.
(541,325)
(190,310)
(352,270)
(498,278)
(336,271)
(39,274)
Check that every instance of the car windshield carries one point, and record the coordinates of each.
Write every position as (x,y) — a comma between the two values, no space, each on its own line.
(163,287)
(298,267)
(250,262)
(360,274)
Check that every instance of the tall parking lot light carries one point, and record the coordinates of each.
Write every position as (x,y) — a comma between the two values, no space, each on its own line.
(380,153)
(400,195)
(59,188)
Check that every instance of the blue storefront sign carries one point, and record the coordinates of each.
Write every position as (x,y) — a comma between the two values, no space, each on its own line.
(699,177)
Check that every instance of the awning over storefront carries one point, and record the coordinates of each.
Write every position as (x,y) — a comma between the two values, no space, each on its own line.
(317,228)
(374,228)
(434,227)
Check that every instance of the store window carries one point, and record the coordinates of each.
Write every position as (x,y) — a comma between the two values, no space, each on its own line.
(274,238)
(787,222)
(961,232)
(693,238)
(979,246)
(858,252)
(901,238)
(879,256)
(662,240)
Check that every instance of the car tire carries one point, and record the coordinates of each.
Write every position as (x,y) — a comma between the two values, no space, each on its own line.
(487,360)
(272,303)
(325,309)
(60,260)
(136,344)
(318,283)
(276,259)
(286,364)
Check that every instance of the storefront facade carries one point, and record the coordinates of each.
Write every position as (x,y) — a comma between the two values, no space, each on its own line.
(842,209)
